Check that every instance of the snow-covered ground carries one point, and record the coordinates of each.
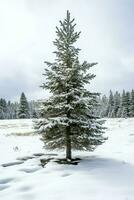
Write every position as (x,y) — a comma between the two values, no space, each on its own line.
(105,174)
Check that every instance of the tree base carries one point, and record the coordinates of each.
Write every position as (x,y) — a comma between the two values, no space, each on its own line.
(65,161)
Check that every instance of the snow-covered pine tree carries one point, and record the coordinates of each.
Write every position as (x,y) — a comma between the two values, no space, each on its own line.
(116,105)
(34,114)
(105,105)
(132,104)
(3,108)
(128,97)
(125,104)
(23,111)
(101,110)
(69,122)
(33,109)
(119,112)
(110,108)
(121,109)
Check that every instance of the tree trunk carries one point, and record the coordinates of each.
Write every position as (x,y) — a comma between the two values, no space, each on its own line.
(68,144)
(68,128)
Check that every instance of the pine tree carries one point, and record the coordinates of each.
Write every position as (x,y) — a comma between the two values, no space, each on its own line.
(23,107)
(132,104)
(104,106)
(3,108)
(69,120)
(110,108)
(33,109)
(125,104)
(116,105)
(119,112)
(34,114)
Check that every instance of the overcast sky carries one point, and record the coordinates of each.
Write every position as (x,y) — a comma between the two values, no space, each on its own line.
(27,29)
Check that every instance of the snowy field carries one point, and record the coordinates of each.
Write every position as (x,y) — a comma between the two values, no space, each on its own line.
(105,174)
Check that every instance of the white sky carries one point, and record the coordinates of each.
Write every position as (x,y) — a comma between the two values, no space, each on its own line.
(27,29)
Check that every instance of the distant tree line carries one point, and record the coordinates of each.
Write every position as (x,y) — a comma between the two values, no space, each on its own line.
(21,110)
(117,105)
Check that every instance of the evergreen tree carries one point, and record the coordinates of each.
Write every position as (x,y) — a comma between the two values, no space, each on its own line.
(119,112)
(23,107)
(121,109)
(34,114)
(34,109)
(125,104)
(3,108)
(116,105)
(104,106)
(132,104)
(110,108)
(69,121)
